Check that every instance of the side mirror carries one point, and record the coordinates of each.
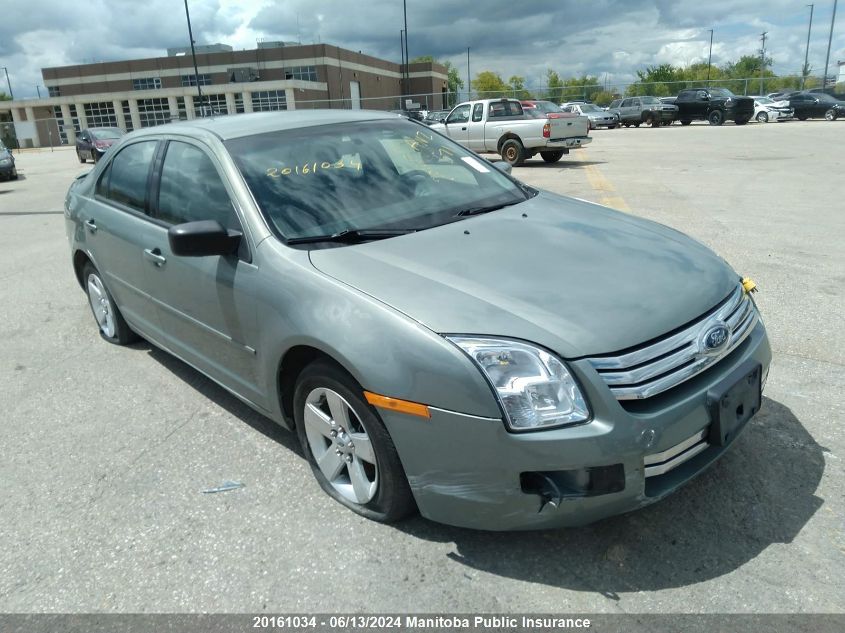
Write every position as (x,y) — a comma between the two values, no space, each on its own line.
(502,165)
(201,239)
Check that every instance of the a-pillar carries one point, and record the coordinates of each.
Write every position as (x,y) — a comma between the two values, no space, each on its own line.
(67,124)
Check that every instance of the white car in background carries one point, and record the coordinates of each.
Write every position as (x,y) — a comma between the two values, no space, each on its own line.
(766,109)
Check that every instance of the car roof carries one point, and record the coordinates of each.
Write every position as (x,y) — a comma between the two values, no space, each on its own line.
(238,125)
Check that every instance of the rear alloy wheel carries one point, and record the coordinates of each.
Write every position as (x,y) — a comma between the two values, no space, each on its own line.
(347,445)
(762,117)
(831,114)
(110,321)
(513,152)
(551,157)
(716,117)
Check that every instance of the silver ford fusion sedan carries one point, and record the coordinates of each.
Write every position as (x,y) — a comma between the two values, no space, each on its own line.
(440,336)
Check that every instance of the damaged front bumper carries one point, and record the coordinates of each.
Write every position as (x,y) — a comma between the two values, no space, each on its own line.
(471,472)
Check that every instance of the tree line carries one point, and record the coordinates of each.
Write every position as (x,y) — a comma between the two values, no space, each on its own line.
(660,81)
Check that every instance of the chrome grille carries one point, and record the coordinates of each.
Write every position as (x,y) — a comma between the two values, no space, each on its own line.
(654,368)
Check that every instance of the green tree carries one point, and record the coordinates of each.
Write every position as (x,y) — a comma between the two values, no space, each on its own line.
(517,87)
(489,85)
(603,98)
(4,97)
(554,86)
(453,81)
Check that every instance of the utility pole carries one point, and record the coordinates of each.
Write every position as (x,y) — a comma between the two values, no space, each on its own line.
(9,83)
(806,68)
(829,41)
(407,53)
(469,78)
(710,57)
(194,56)
(762,59)
(404,65)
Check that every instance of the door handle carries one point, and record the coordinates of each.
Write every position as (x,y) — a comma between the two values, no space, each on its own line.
(154,255)
(464,129)
(92,226)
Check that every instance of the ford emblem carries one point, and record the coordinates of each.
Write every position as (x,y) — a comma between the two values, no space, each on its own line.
(715,338)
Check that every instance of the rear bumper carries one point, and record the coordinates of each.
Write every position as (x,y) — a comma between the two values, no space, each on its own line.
(471,472)
(573,142)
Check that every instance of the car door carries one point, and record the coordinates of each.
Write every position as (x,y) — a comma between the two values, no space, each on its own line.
(625,110)
(457,124)
(801,105)
(206,305)
(475,133)
(117,225)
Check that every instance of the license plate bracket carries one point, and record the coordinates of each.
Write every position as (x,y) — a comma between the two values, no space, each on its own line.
(734,401)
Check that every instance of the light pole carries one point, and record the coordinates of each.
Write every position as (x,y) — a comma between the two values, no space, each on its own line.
(407,53)
(9,83)
(762,59)
(829,41)
(194,56)
(38,90)
(709,57)
(469,79)
(806,68)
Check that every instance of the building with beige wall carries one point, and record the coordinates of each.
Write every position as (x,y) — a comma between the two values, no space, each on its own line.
(275,76)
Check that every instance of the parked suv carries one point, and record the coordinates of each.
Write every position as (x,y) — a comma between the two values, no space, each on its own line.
(715,105)
(7,164)
(649,110)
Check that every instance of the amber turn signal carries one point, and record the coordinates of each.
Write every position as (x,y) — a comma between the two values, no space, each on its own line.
(394,404)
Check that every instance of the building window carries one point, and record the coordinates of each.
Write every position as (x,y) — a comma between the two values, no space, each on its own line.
(127,116)
(239,103)
(191,80)
(181,109)
(238,75)
(267,100)
(146,83)
(304,73)
(54,91)
(100,114)
(214,105)
(153,112)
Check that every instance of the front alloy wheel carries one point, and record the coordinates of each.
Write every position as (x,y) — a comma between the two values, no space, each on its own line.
(348,446)
(762,117)
(340,445)
(831,114)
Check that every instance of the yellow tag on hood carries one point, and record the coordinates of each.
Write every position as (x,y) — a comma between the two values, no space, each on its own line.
(748,284)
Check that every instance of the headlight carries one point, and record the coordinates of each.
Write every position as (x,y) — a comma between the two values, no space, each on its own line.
(535,388)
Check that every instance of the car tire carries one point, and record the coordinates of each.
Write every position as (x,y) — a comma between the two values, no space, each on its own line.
(716,117)
(79,156)
(831,114)
(636,125)
(762,117)
(551,157)
(329,401)
(802,118)
(110,322)
(686,122)
(513,152)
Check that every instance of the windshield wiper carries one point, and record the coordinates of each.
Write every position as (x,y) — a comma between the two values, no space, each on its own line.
(479,210)
(352,236)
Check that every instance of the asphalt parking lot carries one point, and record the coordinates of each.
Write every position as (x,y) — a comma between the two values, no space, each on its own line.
(106,450)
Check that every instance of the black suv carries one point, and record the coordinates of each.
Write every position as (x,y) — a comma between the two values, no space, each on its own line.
(715,105)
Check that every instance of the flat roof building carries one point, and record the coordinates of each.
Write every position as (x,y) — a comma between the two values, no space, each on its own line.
(140,93)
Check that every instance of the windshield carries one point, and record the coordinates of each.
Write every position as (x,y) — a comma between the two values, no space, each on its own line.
(386,174)
(546,106)
(721,92)
(106,133)
(589,107)
(650,100)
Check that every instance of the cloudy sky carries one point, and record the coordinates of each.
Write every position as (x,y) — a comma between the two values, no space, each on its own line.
(616,37)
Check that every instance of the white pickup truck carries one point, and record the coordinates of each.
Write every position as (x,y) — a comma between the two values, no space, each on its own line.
(501,126)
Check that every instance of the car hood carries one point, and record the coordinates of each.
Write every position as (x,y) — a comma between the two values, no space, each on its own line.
(575,277)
